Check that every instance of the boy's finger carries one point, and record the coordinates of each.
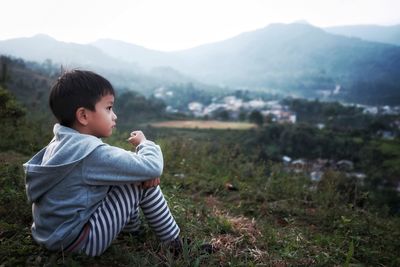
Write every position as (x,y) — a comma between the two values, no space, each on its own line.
(149,184)
(134,133)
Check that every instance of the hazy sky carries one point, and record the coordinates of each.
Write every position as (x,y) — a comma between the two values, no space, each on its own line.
(179,24)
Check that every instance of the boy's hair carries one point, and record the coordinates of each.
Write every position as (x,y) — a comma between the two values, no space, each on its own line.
(75,89)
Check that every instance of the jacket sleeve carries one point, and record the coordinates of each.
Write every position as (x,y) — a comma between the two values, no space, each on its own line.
(108,165)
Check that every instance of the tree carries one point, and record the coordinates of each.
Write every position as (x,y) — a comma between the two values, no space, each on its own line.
(4,73)
(256,117)
(223,115)
(10,109)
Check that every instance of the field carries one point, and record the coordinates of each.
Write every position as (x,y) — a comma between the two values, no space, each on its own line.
(196,124)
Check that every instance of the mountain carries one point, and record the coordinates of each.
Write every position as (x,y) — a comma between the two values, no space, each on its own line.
(296,59)
(302,60)
(373,33)
(124,74)
(133,53)
(41,47)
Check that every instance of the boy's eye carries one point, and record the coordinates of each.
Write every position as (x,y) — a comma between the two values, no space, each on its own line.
(109,108)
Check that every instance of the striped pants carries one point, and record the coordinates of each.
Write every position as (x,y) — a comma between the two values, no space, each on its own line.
(120,211)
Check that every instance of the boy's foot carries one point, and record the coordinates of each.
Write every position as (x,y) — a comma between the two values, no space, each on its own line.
(208,248)
(176,246)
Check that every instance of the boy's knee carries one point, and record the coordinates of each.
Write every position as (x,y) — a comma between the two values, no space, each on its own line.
(151,191)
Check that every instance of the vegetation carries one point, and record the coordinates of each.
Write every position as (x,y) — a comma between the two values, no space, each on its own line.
(18,132)
(342,118)
(132,106)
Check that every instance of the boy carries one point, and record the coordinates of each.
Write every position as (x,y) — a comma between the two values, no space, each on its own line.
(83,191)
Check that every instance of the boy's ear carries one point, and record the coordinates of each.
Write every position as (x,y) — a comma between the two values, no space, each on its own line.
(81,116)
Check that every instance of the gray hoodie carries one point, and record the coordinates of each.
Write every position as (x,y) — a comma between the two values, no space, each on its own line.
(67,180)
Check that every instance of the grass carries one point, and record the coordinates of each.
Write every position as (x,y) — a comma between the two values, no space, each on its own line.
(266,217)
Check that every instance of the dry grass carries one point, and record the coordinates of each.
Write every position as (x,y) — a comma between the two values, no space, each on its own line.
(240,224)
(222,125)
(243,240)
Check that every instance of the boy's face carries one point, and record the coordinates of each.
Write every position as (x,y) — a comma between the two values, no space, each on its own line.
(102,121)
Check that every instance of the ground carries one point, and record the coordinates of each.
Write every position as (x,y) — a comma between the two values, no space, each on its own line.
(253,213)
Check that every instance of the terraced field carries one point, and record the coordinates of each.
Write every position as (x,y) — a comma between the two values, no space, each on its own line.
(193,124)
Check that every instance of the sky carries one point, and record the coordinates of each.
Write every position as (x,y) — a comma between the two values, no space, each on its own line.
(169,25)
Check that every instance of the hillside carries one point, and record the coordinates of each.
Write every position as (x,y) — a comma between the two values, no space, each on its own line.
(253,213)
(373,33)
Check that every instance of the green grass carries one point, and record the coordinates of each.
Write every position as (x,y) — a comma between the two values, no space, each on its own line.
(272,218)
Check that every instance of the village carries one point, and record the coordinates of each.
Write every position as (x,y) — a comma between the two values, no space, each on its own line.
(234,108)
(315,169)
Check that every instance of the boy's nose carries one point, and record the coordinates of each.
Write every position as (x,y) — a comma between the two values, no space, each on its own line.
(114,116)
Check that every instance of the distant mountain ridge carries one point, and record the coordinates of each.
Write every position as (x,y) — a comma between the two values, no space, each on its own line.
(132,53)
(41,47)
(124,74)
(373,33)
(296,59)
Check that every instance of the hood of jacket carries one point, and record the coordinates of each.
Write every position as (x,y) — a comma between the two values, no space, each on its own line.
(50,165)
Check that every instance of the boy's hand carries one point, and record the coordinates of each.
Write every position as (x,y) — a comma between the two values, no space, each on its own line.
(151,183)
(136,138)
